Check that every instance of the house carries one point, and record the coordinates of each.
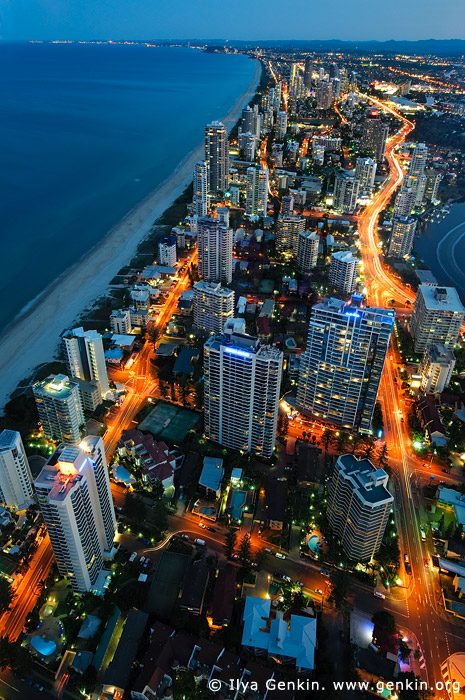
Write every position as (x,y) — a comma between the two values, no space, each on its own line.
(155,460)
(287,643)
(116,676)
(310,468)
(450,499)
(431,421)
(275,503)
(224,595)
(211,476)
(195,587)
(185,361)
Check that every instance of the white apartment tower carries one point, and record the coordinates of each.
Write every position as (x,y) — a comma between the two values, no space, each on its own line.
(167,251)
(402,236)
(85,357)
(201,188)
(59,407)
(416,178)
(436,369)
(242,384)
(215,245)
(341,368)
(15,475)
(405,201)
(256,191)
(217,156)
(437,317)
(213,306)
(289,227)
(359,505)
(281,126)
(343,271)
(247,146)
(365,172)
(346,189)
(74,495)
(307,250)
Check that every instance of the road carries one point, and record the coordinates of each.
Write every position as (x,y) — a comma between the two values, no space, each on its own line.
(420,610)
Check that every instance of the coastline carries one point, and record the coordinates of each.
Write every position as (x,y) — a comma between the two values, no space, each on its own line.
(32,338)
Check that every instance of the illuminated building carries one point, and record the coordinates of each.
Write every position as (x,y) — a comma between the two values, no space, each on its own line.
(281,126)
(416,178)
(359,504)
(15,475)
(436,317)
(433,178)
(341,368)
(287,204)
(402,236)
(324,94)
(215,244)
(289,226)
(167,251)
(217,156)
(374,136)
(343,271)
(241,395)
(85,357)
(59,407)
(405,201)
(247,146)
(346,189)
(307,250)
(436,369)
(256,198)
(248,120)
(213,306)
(120,321)
(365,172)
(222,214)
(74,495)
(308,73)
(201,188)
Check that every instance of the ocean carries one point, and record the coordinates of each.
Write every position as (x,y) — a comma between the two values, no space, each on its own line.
(88,131)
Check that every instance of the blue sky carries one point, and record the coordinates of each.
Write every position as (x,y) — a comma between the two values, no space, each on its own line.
(238,19)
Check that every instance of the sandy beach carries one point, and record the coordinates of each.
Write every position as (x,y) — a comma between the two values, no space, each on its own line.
(32,340)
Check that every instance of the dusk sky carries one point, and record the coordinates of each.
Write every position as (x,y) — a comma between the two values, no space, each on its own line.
(242,19)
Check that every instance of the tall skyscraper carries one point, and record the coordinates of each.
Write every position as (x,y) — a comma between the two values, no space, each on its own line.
(346,189)
(307,250)
(405,201)
(436,369)
(289,226)
(281,126)
(242,383)
(416,178)
(248,120)
(359,505)
(341,368)
(402,236)
(60,408)
(167,251)
(365,172)
(256,199)
(375,135)
(287,204)
(343,271)
(85,357)
(433,178)
(247,146)
(213,306)
(215,244)
(15,475)
(308,72)
(201,188)
(74,495)
(324,94)
(437,317)
(217,156)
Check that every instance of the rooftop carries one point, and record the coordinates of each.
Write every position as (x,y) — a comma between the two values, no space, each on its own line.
(212,473)
(441,298)
(57,386)
(368,481)
(8,439)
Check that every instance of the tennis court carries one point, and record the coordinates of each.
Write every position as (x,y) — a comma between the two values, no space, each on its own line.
(166,583)
(169,422)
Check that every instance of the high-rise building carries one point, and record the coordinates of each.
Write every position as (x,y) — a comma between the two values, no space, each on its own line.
(15,475)
(402,236)
(308,72)
(346,189)
(375,135)
(343,271)
(436,369)
(242,383)
(281,126)
(433,178)
(289,226)
(248,120)
(324,94)
(167,251)
(222,214)
(213,306)
(59,407)
(215,244)
(307,250)
(341,368)
(256,198)
(217,156)
(333,70)
(120,321)
(405,201)
(437,317)
(416,178)
(359,505)
(74,495)
(365,172)
(85,357)
(201,188)
(247,146)
(287,204)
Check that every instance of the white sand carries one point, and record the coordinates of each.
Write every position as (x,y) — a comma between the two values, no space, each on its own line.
(32,340)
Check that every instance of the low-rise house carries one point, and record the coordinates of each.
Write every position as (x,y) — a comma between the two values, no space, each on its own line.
(195,587)
(275,503)
(211,476)
(309,468)
(117,674)
(224,595)
(430,420)
(154,458)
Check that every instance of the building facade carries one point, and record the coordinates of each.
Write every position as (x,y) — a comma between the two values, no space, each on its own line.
(343,271)
(201,188)
(242,383)
(59,406)
(289,227)
(217,156)
(213,306)
(307,250)
(346,189)
(402,236)
(15,475)
(256,199)
(215,245)
(167,251)
(341,368)
(437,317)
(436,369)
(85,357)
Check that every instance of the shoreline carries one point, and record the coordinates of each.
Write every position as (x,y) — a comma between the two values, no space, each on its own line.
(33,336)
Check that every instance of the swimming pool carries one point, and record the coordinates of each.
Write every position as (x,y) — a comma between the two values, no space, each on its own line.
(237,502)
